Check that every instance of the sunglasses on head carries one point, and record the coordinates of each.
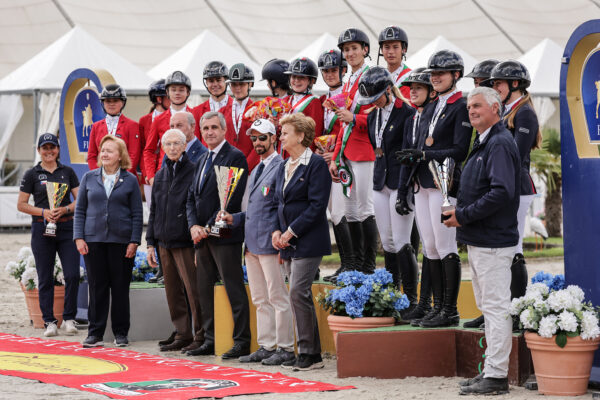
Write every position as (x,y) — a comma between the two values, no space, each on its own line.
(262,138)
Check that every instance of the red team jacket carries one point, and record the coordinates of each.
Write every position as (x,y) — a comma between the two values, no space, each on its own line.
(145,125)
(127,129)
(241,141)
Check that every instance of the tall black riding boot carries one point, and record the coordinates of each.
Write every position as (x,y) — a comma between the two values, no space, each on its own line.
(391,265)
(358,247)
(449,315)
(437,289)
(344,246)
(415,238)
(424,305)
(519,278)
(409,272)
(371,241)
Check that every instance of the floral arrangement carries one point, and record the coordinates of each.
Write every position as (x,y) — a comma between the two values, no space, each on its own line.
(142,271)
(266,108)
(24,271)
(548,308)
(325,143)
(364,295)
(339,101)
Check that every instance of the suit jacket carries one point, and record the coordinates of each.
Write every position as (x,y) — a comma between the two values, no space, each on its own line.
(261,214)
(387,168)
(194,152)
(113,219)
(203,198)
(203,108)
(127,129)
(303,208)
(241,140)
(145,124)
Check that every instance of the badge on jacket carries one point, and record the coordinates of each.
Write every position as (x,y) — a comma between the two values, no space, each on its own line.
(265,190)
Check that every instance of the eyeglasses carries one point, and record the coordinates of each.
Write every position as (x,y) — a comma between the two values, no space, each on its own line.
(262,138)
(172,144)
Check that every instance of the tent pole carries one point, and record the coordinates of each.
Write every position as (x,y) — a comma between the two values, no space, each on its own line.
(36,117)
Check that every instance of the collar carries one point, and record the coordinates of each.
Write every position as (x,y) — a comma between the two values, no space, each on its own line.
(241,105)
(156,113)
(304,157)
(268,160)
(335,91)
(190,143)
(398,71)
(484,135)
(174,111)
(39,167)
(218,148)
(388,109)
(113,118)
(217,105)
(509,107)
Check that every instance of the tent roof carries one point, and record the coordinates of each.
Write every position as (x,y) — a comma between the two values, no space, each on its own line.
(75,49)
(323,43)
(544,62)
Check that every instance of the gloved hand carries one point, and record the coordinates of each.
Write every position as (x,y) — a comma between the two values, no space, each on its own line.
(409,156)
(402,206)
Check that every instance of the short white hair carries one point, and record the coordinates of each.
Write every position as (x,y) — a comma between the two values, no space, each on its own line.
(190,117)
(490,96)
(180,135)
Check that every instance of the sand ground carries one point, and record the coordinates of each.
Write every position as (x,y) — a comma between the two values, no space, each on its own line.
(13,319)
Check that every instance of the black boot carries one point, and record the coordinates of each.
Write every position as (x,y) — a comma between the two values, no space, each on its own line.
(409,272)
(518,283)
(357,240)
(415,239)
(437,289)
(449,314)
(344,246)
(424,305)
(391,265)
(370,237)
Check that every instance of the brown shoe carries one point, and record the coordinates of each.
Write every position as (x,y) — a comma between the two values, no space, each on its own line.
(192,346)
(178,344)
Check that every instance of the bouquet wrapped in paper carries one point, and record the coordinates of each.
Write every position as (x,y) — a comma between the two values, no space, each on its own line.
(266,108)
(338,101)
(325,143)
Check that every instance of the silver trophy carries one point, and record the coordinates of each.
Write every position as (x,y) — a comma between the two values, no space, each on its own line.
(442,177)
(56,193)
(227,181)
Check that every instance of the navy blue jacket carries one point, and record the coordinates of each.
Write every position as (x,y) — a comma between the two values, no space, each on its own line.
(387,168)
(488,195)
(167,223)
(116,219)
(451,138)
(194,153)
(525,131)
(203,202)
(303,207)
(406,180)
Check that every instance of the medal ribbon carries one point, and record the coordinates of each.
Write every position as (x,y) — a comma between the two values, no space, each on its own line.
(302,104)
(416,121)
(442,107)
(237,122)
(402,73)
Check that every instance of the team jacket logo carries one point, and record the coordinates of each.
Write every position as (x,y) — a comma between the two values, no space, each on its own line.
(141,388)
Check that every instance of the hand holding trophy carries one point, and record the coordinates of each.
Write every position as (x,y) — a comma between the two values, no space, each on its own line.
(442,177)
(227,181)
(56,193)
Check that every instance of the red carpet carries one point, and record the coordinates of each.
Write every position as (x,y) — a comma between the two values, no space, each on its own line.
(128,374)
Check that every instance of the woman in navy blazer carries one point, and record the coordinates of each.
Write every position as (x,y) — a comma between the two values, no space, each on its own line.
(301,233)
(107,232)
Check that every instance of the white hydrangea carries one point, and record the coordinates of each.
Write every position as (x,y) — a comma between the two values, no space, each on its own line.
(527,318)
(567,321)
(24,253)
(562,300)
(11,267)
(57,263)
(537,287)
(541,306)
(60,277)
(576,292)
(589,326)
(30,262)
(516,305)
(29,273)
(548,326)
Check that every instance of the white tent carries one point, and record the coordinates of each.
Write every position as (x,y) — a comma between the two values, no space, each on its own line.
(323,43)
(204,48)
(421,57)
(543,62)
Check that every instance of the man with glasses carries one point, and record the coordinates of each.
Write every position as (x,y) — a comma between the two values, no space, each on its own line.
(167,230)
(275,329)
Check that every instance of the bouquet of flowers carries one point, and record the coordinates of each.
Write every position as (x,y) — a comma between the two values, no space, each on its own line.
(24,271)
(364,295)
(266,108)
(142,271)
(548,308)
(338,101)
(325,143)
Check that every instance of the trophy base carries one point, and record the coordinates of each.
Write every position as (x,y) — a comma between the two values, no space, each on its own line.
(220,232)
(444,209)
(50,231)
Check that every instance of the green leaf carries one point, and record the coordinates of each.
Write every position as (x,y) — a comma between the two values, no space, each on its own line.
(561,339)
(573,334)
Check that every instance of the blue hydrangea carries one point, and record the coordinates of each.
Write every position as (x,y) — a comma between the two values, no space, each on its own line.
(554,282)
(382,276)
(350,278)
(147,276)
(558,283)
(401,303)
(245,273)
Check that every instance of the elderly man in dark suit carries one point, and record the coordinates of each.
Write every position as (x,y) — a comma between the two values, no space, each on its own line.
(167,230)
(185,122)
(218,255)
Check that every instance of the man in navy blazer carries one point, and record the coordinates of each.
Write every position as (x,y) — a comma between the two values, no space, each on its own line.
(214,255)
(274,325)
(185,122)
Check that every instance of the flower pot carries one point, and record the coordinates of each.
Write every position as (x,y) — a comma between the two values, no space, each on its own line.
(338,324)
(33,305)
(561,371)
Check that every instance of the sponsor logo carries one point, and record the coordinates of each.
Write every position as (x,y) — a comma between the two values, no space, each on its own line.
(141,388)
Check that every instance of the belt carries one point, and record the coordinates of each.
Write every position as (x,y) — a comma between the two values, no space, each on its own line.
(62,219)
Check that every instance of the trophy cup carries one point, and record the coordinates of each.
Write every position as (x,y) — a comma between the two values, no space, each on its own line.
(56,193)
(442,177)
(227,181)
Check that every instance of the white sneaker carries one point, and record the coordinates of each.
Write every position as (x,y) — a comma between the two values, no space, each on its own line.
(70,327)
(51,330)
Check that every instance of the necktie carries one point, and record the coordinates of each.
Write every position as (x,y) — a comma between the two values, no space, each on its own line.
(207,167)
(476,143)
(259,171)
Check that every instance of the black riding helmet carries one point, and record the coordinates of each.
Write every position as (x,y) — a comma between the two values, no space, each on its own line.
(113,91)
(483,69)
(304,67)
(373,84)
(157,89)
(240,73)
(178,78)
(333,59)
(510,71)
(274,70)
(392,34)
(215,69)
(446,60)
(418,75)
(354,35)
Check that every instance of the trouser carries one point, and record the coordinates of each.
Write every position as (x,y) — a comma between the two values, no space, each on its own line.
(109,275)
(179,271)
(524,203)
(359,206)
(148,195)
(394,229)
(438,240)
(274,319)
(336,203)
(44,250)
(301,272)
(212,260)
(490,271)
